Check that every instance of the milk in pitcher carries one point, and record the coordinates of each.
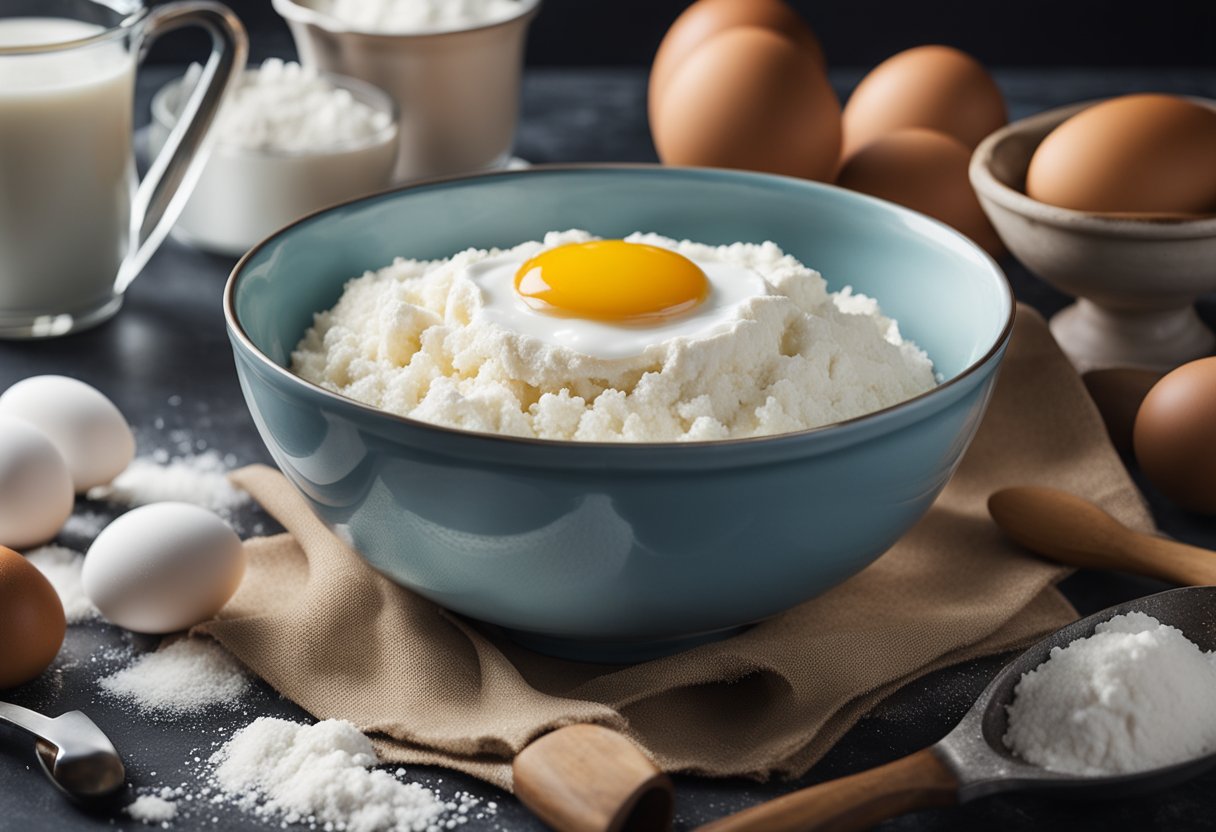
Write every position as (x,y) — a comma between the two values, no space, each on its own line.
(66,167)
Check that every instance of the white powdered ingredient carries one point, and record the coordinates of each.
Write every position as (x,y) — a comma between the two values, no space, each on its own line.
(151,809)
(1136,695)
(408,16)
(62,567)
(415,339)
(288,108)
(201,480)
(285,770)
(185,676)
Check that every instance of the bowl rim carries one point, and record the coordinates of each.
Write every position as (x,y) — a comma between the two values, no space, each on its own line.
(1151,227)
(299,12)
(237,330)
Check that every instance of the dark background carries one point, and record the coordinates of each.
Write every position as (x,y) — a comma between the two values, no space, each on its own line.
(855,33)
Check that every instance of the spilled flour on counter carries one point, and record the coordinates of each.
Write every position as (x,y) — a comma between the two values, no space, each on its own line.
(1136,695)
(152,809)
(62,567)
(186,676)
(200,479)
(285,770)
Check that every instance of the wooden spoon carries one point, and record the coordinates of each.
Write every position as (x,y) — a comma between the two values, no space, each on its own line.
(919,781)
(1073,531)
(587,778)
(972,762)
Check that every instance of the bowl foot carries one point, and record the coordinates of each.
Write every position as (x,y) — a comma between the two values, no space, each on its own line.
(614,652)
(1095,337)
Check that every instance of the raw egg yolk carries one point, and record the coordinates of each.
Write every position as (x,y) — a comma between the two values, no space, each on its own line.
(611,280)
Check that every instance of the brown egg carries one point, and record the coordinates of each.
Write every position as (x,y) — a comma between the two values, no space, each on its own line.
(753,99)
(926,171)
(31,620)
(1175,435)
(706,18)
(1138,154)
(930,86)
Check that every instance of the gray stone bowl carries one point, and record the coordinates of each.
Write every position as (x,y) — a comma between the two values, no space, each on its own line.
(1135,278)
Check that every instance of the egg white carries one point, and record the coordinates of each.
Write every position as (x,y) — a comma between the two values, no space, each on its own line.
(731,285)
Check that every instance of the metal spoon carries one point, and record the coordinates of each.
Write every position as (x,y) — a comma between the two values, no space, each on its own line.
(972,760)
(72,750)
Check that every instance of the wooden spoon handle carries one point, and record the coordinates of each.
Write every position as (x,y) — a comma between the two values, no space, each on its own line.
(1073,531)
(920,781)
(587,778)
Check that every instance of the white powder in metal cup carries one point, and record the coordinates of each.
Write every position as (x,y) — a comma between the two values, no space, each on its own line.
(412,16)
(186,676)
(62,567)
(323,773)
(1136,695)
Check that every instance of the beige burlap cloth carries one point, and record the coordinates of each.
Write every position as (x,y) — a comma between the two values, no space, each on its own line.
(343,642)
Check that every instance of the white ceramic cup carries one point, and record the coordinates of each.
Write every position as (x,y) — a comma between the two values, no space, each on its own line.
(74,228)
(458,91)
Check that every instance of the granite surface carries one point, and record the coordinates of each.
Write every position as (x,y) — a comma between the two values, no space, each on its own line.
(166,362)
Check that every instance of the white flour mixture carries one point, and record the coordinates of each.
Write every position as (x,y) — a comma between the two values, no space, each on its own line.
(285,770)
(184,677)
(426,339)
(409,16)
(285,107)
(1136,695)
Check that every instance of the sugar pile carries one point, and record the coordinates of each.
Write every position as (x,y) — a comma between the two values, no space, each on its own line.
(62,567)
(322,774)
(152,809)
(283,106)
(185,676)
(404,16)
(201,480)
(1134,696)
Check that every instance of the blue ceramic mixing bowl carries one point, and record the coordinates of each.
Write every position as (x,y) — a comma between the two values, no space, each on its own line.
(621,551)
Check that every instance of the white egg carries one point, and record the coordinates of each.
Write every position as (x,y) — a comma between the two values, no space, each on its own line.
(85,426)
(731,285)
(163,567)
(36,494)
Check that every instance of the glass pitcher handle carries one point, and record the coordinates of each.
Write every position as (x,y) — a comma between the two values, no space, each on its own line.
(163,192)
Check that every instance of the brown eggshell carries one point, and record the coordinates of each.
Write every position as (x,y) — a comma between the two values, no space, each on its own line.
(1175,435)
(706,18)
(1137,154)
(750,98)
(32,623)
(937,87)
(927,172)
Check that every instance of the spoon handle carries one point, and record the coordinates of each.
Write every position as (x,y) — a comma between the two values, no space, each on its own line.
(1073,531)
(27,720)
(588,778)
(919,781)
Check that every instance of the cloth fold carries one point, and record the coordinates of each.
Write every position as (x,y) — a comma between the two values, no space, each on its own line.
(432,688)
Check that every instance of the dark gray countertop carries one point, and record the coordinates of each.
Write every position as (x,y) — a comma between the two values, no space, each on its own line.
(169,342)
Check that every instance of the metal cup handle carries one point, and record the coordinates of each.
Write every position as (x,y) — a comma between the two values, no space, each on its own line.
(165,188)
